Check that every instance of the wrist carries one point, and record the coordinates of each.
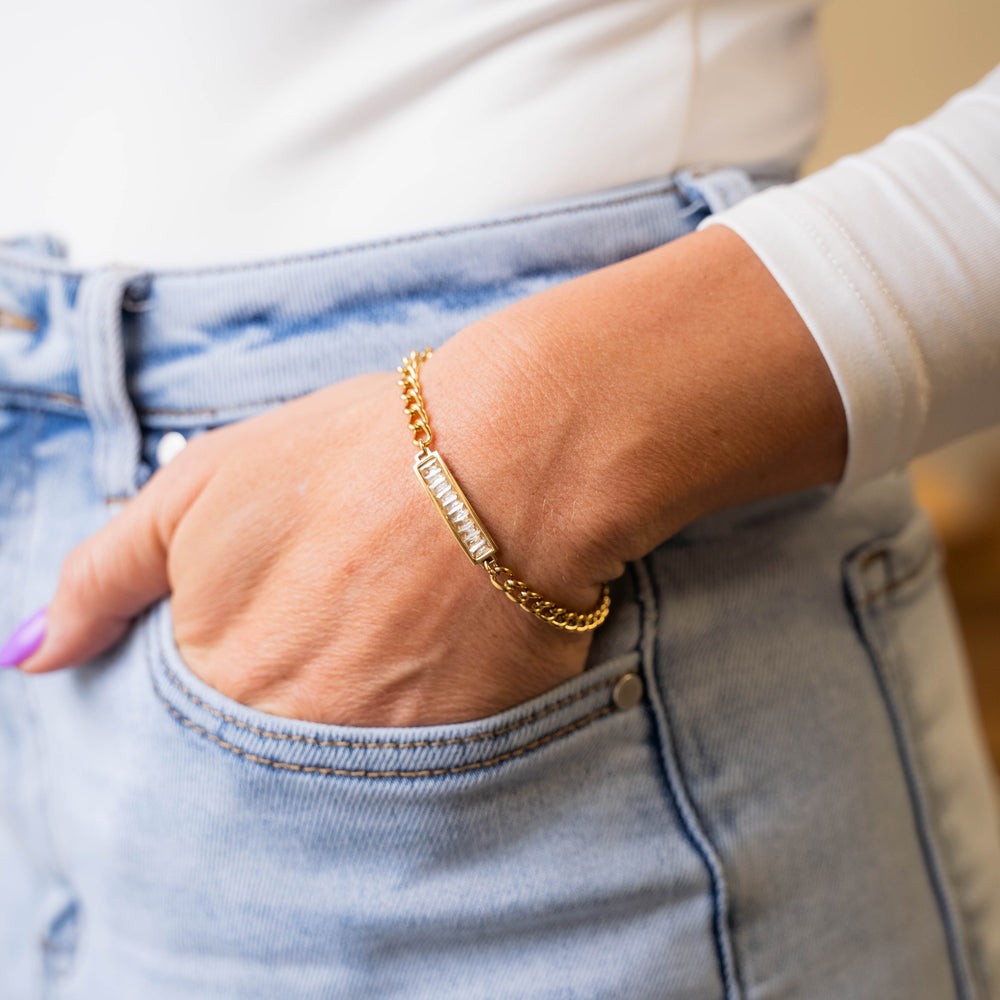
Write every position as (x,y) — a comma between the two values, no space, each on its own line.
(590,422)
(495,441)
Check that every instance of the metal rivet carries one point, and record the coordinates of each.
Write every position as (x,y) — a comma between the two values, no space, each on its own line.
(136,293)
(15,321)
(627,691)
(169,447)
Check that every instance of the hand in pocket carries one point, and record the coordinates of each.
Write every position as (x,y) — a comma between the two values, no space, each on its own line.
(310,575)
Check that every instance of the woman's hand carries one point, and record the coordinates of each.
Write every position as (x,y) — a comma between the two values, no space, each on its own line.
(311,574)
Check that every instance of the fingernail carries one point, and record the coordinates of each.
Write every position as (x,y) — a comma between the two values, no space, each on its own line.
(24,640)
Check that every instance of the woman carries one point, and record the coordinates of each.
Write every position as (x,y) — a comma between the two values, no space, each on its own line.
(336,762)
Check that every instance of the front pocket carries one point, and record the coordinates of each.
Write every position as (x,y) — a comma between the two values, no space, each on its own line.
(416,752)
(905,619)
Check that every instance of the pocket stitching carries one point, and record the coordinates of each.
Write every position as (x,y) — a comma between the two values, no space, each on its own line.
(869,611)
(925,561)
(387,744)
(360,773)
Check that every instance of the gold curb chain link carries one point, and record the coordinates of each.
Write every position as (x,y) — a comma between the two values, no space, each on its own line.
(502,578)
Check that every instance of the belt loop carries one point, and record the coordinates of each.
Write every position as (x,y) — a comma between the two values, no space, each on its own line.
(717,189)
(101,360)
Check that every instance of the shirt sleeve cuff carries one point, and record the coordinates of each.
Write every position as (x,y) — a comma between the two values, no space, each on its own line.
(849,312)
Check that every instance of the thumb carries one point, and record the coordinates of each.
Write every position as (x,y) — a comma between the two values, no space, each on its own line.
(105,582)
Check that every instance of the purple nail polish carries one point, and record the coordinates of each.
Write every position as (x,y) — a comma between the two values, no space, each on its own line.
(24,640)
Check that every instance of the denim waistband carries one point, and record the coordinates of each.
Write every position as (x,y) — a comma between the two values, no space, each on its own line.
(224,341)
(140,353)
(133,350)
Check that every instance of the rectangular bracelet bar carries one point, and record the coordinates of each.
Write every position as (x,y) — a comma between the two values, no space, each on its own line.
(453,506)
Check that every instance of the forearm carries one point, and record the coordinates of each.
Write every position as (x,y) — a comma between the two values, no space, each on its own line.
(892,257)
(591,422)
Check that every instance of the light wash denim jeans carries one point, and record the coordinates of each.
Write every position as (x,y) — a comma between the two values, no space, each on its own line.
(798,806)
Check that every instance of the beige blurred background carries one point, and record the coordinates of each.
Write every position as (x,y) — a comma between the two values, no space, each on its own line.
(890,63)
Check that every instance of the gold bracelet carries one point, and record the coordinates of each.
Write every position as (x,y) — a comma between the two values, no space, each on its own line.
(458,514)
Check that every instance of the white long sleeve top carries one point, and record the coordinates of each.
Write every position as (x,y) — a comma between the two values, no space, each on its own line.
(202,131)
(892,258)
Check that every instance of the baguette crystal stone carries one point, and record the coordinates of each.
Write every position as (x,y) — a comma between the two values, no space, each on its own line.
(453,506)
(466,527)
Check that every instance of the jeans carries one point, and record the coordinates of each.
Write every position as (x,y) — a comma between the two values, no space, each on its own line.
(768,782)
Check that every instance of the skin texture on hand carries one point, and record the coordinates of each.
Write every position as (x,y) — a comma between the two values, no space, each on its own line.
(325,589)
(310,574)
(631,401)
